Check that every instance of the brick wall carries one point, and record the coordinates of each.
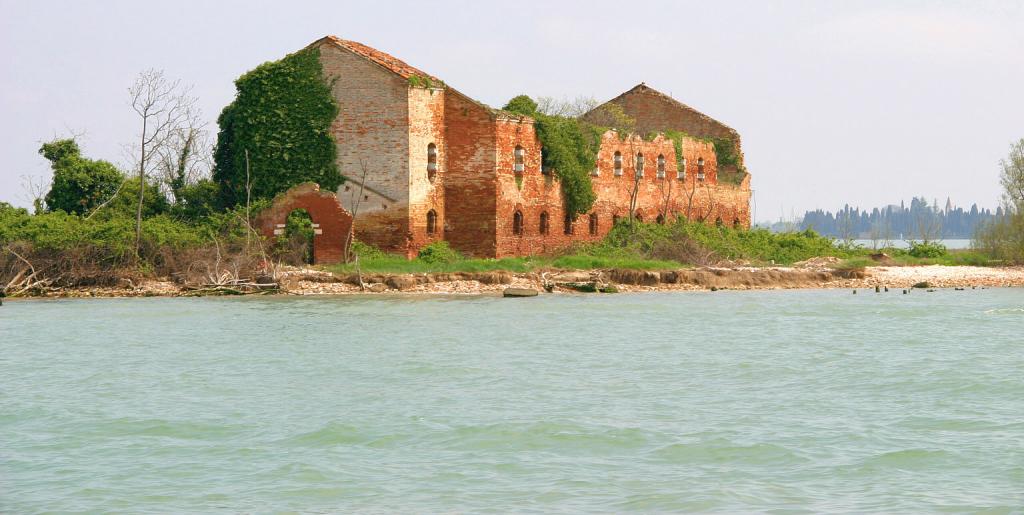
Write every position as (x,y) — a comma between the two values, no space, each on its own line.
(469,169)
(426,126)
(323,208)
(372,131)
(654,112)
(535,193)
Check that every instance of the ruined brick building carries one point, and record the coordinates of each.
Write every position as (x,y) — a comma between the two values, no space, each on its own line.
(424,162)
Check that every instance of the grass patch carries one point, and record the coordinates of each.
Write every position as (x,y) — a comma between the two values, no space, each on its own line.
(900,257)
(855,263)
(964,257)
(392,264)
(586,262)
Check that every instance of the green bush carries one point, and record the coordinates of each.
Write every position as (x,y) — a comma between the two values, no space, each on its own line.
(126,202)
(683,241)
(115,233)
(438,252)
(196,201)
(927,249)
(365,251)
(281,114)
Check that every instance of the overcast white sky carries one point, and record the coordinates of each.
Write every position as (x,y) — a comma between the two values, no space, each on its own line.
(860,102)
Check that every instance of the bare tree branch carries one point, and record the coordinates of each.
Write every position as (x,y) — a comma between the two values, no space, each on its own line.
(164,107)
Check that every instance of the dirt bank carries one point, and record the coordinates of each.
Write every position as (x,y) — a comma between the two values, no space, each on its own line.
(311,282)
(318,282)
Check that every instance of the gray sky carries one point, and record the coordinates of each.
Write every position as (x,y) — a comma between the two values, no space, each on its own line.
(859,102)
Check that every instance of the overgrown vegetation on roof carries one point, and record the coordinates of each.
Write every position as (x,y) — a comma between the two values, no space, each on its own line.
(422,81)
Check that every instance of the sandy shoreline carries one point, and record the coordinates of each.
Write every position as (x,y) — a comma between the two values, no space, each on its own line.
(318,282)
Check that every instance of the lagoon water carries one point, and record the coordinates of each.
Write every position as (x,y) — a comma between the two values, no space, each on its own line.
(817,401)
(951,244)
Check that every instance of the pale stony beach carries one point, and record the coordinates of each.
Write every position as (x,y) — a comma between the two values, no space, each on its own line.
(812,275)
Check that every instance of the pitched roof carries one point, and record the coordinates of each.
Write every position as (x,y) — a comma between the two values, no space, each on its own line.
(644,89)
(383,59)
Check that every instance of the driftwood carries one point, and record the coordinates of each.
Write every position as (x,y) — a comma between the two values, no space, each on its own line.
(236,287)
(27,279)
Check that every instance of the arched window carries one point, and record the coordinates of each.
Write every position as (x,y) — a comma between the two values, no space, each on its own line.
(660,219)
(544,170)
(735,223)
(718,221)
(593,224)
(567,229)
(661,166)
(700,169)
(618,162)
(518,155)
(517,222)
(681,172)
(544,224)
(639,216)
(615,219)
(431,221)
(431,162)
(640,164)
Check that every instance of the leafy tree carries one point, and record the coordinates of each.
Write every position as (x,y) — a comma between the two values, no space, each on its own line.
(281,116)
(79,184)
(196,201)
(523,105)
(126,202)
(1003,238)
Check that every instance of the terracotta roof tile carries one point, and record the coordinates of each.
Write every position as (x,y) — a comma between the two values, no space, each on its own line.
(383,59)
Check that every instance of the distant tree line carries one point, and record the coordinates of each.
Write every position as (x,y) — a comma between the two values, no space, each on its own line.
(920,220)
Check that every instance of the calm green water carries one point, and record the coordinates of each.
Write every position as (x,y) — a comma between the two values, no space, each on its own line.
(795,401)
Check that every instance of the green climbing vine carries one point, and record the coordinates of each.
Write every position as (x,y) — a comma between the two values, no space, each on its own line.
(570,149)
(281,115)
(727,156)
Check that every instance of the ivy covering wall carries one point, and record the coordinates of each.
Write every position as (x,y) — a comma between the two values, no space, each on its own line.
(725,155)
(282,115)
(570,149)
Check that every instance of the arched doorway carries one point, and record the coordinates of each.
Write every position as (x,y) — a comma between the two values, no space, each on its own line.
(294,245)
(304,209)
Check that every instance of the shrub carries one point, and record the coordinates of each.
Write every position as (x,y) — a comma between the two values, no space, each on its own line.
(438,252)
(126,202)
(698,243)
(926,249)
(366,251)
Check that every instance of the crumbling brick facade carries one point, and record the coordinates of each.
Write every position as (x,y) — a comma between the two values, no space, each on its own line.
(331,222)
(654,111)
(424,162)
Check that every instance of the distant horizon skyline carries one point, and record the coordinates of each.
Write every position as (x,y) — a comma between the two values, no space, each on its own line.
(867,101)
(992,208)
